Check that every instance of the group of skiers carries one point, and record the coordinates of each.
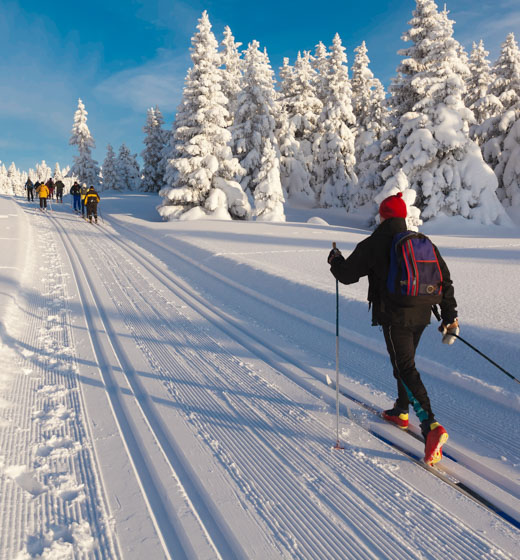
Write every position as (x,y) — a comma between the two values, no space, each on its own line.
(45,190)
(85,198)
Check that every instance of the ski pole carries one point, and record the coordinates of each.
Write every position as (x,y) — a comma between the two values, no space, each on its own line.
(436,313)
(337,446)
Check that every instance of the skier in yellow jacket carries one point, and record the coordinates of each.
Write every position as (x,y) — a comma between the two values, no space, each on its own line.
(43,192)
(91,202)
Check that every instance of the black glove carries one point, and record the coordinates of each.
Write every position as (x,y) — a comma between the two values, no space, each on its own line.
(334,254)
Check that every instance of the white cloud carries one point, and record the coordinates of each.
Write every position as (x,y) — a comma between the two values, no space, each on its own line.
(489,21)
(158,82)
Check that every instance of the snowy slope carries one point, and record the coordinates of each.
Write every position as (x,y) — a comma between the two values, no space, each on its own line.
(163,394)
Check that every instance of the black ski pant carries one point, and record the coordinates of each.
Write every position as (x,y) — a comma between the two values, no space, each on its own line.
(30,194)
(92,210)
(43,202)
(401,343)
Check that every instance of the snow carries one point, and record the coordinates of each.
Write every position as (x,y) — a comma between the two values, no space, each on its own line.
(164,391)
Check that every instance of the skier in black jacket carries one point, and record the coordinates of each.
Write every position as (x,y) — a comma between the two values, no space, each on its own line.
(75,191)
(402,326)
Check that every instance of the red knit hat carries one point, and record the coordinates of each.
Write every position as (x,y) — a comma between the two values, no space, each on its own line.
(393,207)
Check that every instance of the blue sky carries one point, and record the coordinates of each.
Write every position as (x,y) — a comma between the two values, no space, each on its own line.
(121,57)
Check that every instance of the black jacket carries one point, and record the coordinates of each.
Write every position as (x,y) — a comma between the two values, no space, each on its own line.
(371,258)
(75,189)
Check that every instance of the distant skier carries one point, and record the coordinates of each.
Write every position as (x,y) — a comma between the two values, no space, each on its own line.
(50,186)
(402,325)
(91,202)
(59,190)
(75,191)
(29,187)
(84,190)
(42,190)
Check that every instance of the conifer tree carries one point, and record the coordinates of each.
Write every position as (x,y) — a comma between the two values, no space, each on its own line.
(110,180)
(3,180)
(433,150)
(334,143)
(254,132)
(155,141)
(484,105)
(320,65)
(85,168)
(368,98)
(501,147)
(201,169)
(128,176)
(57,175)
(43,171)
(300,109)
(232,72)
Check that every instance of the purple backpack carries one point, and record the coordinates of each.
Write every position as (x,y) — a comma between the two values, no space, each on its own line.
(414,276)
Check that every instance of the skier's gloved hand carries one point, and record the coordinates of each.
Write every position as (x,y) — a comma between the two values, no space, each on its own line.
(334,254)
(448,332)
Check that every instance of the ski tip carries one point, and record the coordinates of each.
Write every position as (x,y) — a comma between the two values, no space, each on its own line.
(329,380)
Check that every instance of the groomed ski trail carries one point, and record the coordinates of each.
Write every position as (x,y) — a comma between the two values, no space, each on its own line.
(274,454)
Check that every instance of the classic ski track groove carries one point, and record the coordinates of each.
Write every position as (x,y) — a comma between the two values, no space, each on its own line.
(453,453)
(330,489)
(153,485)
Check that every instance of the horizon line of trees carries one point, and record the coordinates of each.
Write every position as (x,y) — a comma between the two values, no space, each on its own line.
(447,134)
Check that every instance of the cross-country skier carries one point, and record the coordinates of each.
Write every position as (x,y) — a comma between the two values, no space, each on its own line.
(75,191)
(59,190)
(30,190)
(91,202)
(84,190)
(402,326)
(42,191)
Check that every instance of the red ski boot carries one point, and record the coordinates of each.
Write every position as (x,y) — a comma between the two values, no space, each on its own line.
(436,437)
(396,416)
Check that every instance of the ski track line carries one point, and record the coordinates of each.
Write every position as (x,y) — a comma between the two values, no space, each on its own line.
(258,458)
(470,462)
(171,532)
(49,455)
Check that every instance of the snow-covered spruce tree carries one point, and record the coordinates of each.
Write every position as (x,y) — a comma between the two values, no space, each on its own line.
(14,179)
(333,172)
(320,64)
(483,104)
(299,112)
(128,176)
(155,141)
(502,132)
(43,172)
(268,193)
(434,151)
(368,97)
(201,169)
(3,180)
(110,180)
(57,175)
(254,133)
(84,168)
(231,72)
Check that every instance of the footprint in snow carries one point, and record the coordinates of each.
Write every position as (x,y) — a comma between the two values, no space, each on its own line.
(25,479)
